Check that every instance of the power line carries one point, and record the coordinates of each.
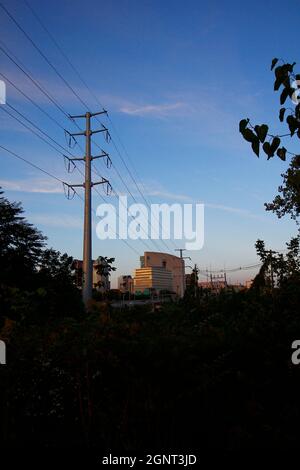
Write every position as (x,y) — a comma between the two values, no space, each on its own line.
(142,229)
(42,54)
(120,218)
(239,268)
(56,150)
(78,75)
(133,197)
(29,128)
(35,82)
(61,51)
(92,94)
(87,185)
(39,129)
(42,138)
(10,152)
(117,233)
(16,61)
(33,165)
(38,135)
(7,80)
(48,143)
(43,91)
(62,110)
(71,89)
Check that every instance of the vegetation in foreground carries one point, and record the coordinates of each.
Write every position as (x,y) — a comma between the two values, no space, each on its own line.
(209,372)
(213,371)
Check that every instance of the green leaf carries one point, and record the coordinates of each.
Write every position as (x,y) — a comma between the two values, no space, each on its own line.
(282,76)
(268,150)
(281,114)
(255,146)
(281,153)
(279,72)
(286,68)
(249,135)
(275,144)
(262,132)
(243,124)
(292,123)
(277,84)
(274,62)
(286,82)
(284,95)
(290,67)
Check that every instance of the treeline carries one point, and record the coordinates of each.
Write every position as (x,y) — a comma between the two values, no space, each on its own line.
(210,372)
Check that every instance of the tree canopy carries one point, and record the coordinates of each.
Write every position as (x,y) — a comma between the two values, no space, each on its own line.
(35,282)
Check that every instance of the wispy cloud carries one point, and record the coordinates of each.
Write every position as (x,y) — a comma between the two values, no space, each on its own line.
(133,106)
(157,110)
(163,194)
(234,210)
(169,195)
(35,185)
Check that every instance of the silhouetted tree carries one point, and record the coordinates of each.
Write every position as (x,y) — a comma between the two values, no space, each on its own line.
(104,268)
(277,268)
(35,282)
(287,202)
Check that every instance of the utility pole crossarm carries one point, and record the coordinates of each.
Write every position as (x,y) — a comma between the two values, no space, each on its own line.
(104,129)
(99,112)
(91,114)
(74,134)
(103,181)
(76,185)
(74,158)
(77,133)
(103,154)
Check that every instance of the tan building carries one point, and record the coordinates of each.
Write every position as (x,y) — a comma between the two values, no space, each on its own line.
(162,270)
(153,278)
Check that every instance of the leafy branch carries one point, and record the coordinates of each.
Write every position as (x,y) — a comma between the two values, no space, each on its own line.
(256,135)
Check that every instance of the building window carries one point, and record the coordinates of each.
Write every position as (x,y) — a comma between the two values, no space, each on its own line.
(164,263)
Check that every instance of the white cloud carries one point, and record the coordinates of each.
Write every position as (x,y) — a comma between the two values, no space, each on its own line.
(36,185)
(156,110)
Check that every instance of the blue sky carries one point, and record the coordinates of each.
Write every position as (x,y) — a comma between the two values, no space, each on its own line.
(176,78)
